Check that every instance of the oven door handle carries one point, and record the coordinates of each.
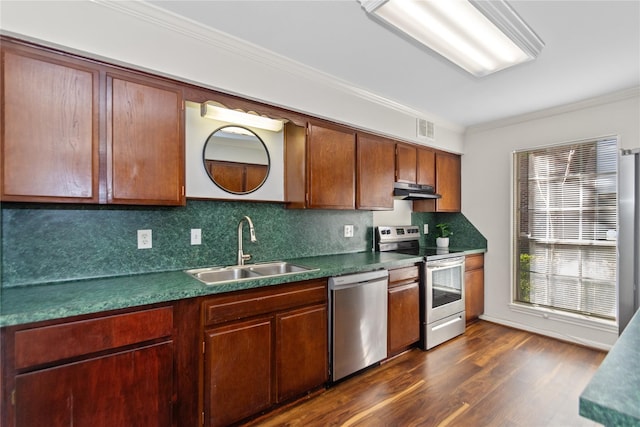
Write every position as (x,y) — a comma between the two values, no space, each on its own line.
(445,263)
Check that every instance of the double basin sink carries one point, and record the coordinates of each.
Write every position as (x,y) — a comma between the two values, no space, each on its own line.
(219,275)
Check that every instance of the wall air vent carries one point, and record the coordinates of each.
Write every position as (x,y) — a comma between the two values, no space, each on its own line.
(425,129)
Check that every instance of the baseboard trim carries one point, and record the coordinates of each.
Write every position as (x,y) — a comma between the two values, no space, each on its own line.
(548,333)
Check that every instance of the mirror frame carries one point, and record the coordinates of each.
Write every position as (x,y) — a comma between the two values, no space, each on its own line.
(204,160)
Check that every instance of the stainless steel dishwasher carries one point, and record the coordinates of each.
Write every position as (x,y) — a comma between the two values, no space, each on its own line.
(358,321)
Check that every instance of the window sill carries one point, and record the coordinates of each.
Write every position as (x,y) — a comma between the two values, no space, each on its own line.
(604,325)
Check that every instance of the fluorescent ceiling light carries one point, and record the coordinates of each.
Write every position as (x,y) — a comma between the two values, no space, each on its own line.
(214,110)
(481,37)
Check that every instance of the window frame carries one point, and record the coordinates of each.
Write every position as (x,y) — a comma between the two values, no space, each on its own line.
(545,311)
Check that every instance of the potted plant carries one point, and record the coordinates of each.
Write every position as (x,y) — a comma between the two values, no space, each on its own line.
(442,240)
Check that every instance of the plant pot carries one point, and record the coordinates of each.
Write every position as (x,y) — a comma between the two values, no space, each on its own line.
(442,242)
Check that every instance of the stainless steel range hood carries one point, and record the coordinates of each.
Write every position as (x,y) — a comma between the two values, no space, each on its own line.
(406,191)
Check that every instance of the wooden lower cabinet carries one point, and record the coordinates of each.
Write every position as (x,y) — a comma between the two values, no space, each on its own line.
(301,351)
(238,371)
(474,286)
(263,347)
(403,327)
(210,361)
(99,371)
(131,388)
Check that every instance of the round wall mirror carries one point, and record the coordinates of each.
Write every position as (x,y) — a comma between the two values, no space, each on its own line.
(236,159)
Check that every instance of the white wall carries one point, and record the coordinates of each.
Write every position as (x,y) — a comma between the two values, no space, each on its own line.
(142,36)
(486,197)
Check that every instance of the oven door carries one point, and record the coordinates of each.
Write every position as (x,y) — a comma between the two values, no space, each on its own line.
(444,288)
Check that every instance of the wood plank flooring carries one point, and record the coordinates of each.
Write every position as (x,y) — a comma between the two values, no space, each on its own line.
(490,376)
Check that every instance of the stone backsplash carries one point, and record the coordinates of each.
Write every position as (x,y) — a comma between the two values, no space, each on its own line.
(44,243)
(48,243)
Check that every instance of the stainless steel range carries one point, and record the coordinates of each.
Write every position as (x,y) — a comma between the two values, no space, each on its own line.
(442,284)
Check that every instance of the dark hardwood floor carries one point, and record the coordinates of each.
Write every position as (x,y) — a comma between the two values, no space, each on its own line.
(490,376)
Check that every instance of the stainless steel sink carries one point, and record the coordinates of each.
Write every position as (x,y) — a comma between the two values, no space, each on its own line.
(219,275)
(213,275)
(277,268)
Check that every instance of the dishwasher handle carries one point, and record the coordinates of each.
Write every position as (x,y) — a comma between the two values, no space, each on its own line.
(336,287)
(351,280)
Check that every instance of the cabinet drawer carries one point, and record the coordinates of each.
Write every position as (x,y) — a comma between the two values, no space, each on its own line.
(264,300)
(472,262)
(404,274)
(50,343)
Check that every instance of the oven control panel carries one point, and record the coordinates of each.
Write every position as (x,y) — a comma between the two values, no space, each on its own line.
(395,233)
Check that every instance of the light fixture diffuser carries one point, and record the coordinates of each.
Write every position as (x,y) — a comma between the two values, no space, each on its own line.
(481,37)
(214,110)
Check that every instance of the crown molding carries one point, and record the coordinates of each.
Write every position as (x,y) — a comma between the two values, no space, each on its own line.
(147,12)
(621,95)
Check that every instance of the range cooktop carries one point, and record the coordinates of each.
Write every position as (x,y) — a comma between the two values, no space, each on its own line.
(405,239)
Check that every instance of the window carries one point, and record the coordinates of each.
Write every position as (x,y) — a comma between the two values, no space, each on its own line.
(565,207)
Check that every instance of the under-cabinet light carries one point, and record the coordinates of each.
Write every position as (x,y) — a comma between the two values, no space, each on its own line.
(213,110)
(481,37)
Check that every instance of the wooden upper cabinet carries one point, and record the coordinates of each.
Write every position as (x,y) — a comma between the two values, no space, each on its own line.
(375,172)
(426,167)
(447,182)
(145,141)
(55,127)
(415,165)
(406,161)
(320,167)
(50,118)
(331,158)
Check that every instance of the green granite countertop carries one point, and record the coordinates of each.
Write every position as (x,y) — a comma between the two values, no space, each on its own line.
(612,397)
(27,304)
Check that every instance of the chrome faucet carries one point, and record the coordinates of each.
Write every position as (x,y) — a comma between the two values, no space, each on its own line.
(242,257)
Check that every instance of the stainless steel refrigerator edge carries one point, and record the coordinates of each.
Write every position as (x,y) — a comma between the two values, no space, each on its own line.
(628,235)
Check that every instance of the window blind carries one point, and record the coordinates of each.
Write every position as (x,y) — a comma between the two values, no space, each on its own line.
(565,202)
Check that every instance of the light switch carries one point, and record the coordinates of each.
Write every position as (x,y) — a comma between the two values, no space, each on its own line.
(196,236)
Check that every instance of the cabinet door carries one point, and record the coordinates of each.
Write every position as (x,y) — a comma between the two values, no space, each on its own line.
(301,351)
(406,161)
(229,175)
(145,137)
(448,182)
(375,167)
(132,388)
(474,293)
(50,129)
(426,169)
(238,371)
(404,317)
(255,176)
(331,160)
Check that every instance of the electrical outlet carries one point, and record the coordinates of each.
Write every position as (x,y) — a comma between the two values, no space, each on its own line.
(196,236)
(425,229)
(348,231)
(144,239)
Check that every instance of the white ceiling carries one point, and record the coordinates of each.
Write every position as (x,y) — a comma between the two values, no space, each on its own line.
(592,48)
